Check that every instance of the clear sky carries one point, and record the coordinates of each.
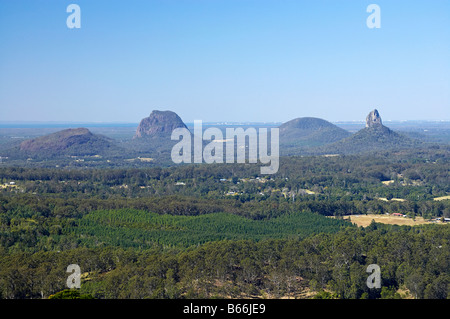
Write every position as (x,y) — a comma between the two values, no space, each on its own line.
(224,60)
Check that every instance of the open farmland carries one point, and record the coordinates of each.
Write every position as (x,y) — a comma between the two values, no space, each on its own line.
(365,220)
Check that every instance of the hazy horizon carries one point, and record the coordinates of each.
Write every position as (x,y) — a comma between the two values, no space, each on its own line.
(136,123)
(224,61)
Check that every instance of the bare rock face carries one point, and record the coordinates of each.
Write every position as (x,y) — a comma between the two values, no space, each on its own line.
(159,123)
(373,119)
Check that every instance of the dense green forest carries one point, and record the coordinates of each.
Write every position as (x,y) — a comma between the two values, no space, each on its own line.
(414,263)
(204,231)
(140,229)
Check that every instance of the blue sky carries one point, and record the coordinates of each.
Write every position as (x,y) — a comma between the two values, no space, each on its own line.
(224,60)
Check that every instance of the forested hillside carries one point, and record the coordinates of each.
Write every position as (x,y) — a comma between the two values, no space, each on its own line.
(414,263)
(197,231)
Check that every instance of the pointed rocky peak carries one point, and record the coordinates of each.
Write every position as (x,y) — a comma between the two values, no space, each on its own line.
(373,119)
(373,138)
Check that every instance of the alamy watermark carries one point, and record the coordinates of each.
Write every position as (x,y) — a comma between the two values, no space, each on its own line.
(374,19)
(374,279)
(74,19)
(74,280)
(191,149)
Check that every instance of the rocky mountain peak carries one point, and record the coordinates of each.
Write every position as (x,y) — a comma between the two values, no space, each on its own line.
(159,122)
(373,119)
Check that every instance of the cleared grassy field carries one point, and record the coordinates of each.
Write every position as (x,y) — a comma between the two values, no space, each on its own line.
(365,220)
(442,198)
